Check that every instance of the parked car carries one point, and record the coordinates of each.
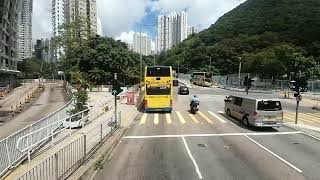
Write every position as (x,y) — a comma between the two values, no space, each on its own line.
(255,112)
(175,82)
(183,90)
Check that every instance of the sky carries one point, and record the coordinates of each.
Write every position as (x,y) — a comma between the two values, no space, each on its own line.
(121,18)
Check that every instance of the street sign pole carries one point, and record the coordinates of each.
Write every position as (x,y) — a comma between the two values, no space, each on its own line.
(297,110)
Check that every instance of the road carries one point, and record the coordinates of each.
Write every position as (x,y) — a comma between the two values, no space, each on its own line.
(51,99)
(210,146)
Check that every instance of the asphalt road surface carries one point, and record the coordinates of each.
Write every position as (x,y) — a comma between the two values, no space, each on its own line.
(51,99)
(210,146)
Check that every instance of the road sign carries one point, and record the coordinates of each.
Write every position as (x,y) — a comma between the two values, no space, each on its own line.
(299,97)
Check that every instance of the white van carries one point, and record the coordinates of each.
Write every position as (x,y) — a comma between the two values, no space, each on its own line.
(255,112)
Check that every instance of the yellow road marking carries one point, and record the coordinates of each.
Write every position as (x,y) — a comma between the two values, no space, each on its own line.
(156,119)
(205,117)
(193,118)
(300,118)
(180,117)
(168,117)
(143,118)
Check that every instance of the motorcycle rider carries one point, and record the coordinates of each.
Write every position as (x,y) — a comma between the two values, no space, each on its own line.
(194,99)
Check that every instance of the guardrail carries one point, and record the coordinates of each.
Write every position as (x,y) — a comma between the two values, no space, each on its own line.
(67,160)
(10,155)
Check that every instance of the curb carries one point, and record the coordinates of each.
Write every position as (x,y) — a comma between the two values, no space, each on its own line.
(307,131)
(90,170)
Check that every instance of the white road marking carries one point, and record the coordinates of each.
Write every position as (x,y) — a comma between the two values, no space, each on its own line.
(156,119)
(191,157)
(311,136)
(217,117)
(143,118)
(211,135)
(205,117)
(180,117)
(221,112)
(275,155)
(169,121)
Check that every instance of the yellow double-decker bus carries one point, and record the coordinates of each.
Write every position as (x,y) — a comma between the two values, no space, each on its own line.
(158,88)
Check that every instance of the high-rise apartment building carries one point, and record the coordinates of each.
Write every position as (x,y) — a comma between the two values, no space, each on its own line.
(145,44)
(8,41)
(57,21)
(43,50)
(172,29)
(25,29)
(192,30)
(82,11)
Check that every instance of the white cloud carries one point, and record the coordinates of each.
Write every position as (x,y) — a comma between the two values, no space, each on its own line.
(41,19)
(126,37)
(120,15)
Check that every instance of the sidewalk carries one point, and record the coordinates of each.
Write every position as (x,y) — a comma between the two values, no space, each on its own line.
(92,132)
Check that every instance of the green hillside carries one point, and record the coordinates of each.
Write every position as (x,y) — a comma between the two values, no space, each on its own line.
(259,33)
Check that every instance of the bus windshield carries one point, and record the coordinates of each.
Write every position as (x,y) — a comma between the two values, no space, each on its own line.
(158,72)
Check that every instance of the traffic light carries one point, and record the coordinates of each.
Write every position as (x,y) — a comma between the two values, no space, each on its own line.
(116,88)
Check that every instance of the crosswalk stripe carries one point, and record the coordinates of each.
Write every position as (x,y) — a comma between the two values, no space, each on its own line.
(168,117)
(314,115)
(300,118)
(302,115)
(217,117)
(205,117)
(193,118)
(143,118)
(156,119)
(180,117)
(310,115)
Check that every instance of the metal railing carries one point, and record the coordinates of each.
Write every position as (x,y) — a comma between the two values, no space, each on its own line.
(64,162)
(10,155)
(29,141)
(60,165)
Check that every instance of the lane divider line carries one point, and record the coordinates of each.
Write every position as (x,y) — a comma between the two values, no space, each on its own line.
(191,157)
(212,135)
(217,117)
(193,118)
(168,117)
(143,118)
(156,119)
(275,155)
(180,117)
(205,117)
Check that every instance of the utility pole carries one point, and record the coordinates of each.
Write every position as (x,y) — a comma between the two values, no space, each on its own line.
(115,100)
(210,66)
(154,58)
(140,57)
(178,67)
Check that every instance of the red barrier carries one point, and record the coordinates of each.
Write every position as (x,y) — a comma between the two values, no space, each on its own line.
(130,98)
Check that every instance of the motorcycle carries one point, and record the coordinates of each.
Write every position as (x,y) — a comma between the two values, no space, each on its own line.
(194,107)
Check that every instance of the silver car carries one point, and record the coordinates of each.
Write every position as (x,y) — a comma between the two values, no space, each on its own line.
(255,112)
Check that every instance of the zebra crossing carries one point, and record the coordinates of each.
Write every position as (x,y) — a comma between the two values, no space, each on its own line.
(304,118)
(182,118)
